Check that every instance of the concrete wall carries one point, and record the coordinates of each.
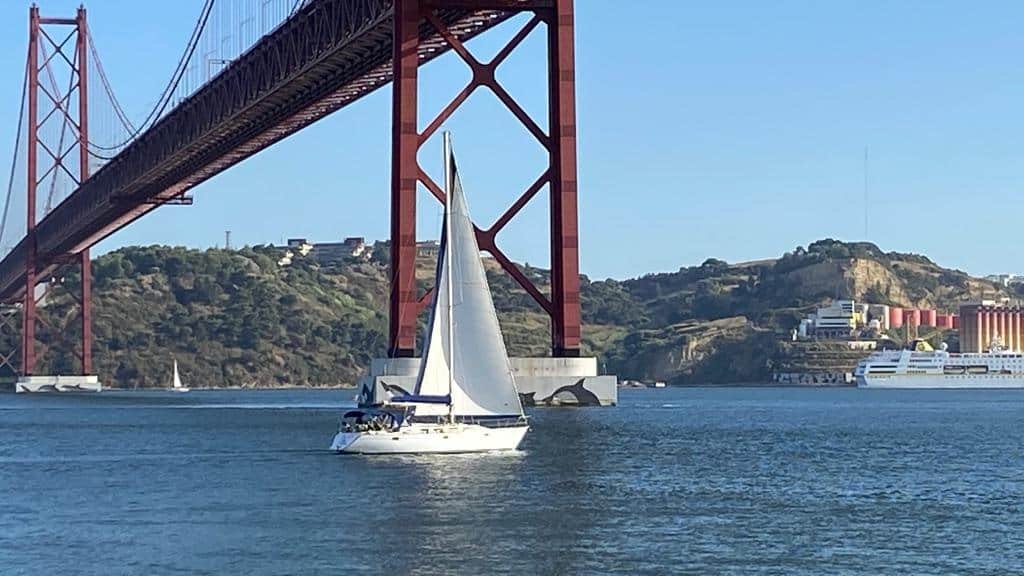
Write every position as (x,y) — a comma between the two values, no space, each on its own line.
(58,384)
(541,381)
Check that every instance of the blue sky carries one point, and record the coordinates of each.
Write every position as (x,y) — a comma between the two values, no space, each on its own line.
(733,130)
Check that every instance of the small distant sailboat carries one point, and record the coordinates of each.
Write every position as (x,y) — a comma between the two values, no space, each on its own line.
(465,399)
(176,385)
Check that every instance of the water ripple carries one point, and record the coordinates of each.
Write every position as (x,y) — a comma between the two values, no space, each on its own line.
(719,481)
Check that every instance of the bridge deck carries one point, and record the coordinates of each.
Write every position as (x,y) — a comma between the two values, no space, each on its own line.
(330,54)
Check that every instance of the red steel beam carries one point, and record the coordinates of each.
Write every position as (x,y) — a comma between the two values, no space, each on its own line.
(9,324)
(513,5)
(565,276)
(404,176)
(85,303)
(560,176)
(28,318)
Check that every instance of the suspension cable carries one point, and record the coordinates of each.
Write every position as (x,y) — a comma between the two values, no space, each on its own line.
(118,110)
(168,92)
(17,146)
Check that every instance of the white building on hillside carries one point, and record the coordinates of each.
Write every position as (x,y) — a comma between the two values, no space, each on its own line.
(838,319)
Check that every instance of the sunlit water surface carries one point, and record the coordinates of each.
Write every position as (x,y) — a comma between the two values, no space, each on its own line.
(705,480)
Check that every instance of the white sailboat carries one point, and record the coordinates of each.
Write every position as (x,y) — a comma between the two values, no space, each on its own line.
(465,398)
(176,384)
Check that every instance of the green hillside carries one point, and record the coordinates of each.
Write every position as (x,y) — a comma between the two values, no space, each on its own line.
(237,318)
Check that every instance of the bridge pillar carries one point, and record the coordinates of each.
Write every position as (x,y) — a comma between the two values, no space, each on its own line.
(84,258)
(405,144)
(28,330)
(565,274)
(59,108)
(560,176)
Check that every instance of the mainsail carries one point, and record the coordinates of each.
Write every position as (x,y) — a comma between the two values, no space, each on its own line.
(479,380)
(177,379)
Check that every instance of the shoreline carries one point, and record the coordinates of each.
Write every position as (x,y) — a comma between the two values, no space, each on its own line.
(237,388)
(742,385)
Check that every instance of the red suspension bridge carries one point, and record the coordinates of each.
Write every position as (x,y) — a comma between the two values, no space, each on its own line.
(254,72)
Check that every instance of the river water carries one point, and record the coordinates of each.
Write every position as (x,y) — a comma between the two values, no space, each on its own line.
(700,480)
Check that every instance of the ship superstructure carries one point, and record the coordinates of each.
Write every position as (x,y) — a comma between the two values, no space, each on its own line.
(923,367)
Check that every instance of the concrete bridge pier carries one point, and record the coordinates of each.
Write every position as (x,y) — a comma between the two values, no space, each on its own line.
(541,381)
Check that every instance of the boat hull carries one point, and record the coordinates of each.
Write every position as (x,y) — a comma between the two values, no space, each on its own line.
(950,382)
(431,439)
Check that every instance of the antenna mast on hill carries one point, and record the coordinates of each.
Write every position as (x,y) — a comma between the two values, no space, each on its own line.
(227,239)
(865,193)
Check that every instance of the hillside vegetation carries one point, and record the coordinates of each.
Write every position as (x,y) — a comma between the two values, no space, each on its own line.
(236,318)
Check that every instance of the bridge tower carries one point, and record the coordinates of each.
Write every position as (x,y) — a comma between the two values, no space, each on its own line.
(56,43)
(565,377)
(560,176)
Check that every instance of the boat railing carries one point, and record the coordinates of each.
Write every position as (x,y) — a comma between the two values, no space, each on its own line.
(509,422)
(486,421)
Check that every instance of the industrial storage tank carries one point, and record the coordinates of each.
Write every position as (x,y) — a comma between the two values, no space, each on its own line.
(912,316)
(928,317)
(895,317)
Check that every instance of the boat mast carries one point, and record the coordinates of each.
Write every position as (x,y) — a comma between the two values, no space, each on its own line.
(449,186)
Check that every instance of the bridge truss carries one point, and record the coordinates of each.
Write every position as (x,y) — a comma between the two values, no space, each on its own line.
(325,55)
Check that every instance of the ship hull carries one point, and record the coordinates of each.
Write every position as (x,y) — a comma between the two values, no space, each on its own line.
(944,382)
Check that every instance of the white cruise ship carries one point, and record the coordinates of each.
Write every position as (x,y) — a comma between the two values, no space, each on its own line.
(924,367)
